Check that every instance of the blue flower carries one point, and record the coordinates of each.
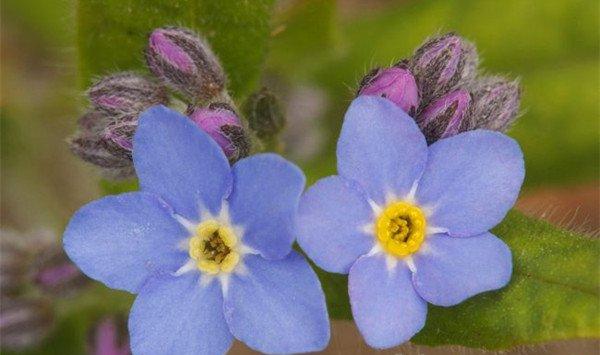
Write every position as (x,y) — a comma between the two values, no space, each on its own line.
(408,222)
(206,247)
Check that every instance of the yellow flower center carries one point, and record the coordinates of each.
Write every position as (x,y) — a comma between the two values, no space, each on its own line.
(213,247)
(400,228)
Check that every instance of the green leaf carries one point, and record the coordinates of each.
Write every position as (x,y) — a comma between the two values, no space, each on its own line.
(305,29)
(109,187)
(113,33)
(553,293)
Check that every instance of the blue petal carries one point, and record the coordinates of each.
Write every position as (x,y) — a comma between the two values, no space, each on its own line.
(331,220)
(454,269)
(385,306)
(264,200)
(381,148)
(471,181)
(278,306)
(176,315)
(177,161)
(121,240)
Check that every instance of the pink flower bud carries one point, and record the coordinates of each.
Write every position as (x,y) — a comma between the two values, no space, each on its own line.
(224,126)
(106,142)
(126,94)
(442,64)
(445,116)
(183,60)
(396,84)
(495,104)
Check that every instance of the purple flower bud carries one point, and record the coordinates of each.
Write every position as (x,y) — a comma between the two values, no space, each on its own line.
(105,141)
(183,60)
(119,135)
(445,116)
(397,84)
(495,104)
(224,126)
(94,121)
(265,115)
(126,94)
(55,274)
(24,322)
(109,337)
(442,64)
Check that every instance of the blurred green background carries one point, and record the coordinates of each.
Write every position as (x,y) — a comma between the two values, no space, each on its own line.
(317,52)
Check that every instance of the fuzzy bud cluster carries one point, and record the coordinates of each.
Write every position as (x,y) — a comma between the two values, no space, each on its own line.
(180,60)
(105,131)
(439,87)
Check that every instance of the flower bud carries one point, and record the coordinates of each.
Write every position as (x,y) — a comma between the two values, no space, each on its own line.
(126,94)
(495,104)
(24,322)
(445,116)
(109,337)
(224,126)
(396,84)
(265,115)
(105,142)
(443,63)
(119,136)
(54,273)
(183,60)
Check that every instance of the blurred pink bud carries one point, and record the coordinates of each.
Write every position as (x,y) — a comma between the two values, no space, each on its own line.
(109,337)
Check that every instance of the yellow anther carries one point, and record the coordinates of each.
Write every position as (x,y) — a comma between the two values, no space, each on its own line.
(400,228)
(213,247)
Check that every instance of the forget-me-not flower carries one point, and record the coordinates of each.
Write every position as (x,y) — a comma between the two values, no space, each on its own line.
(408,222)
(206,247)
